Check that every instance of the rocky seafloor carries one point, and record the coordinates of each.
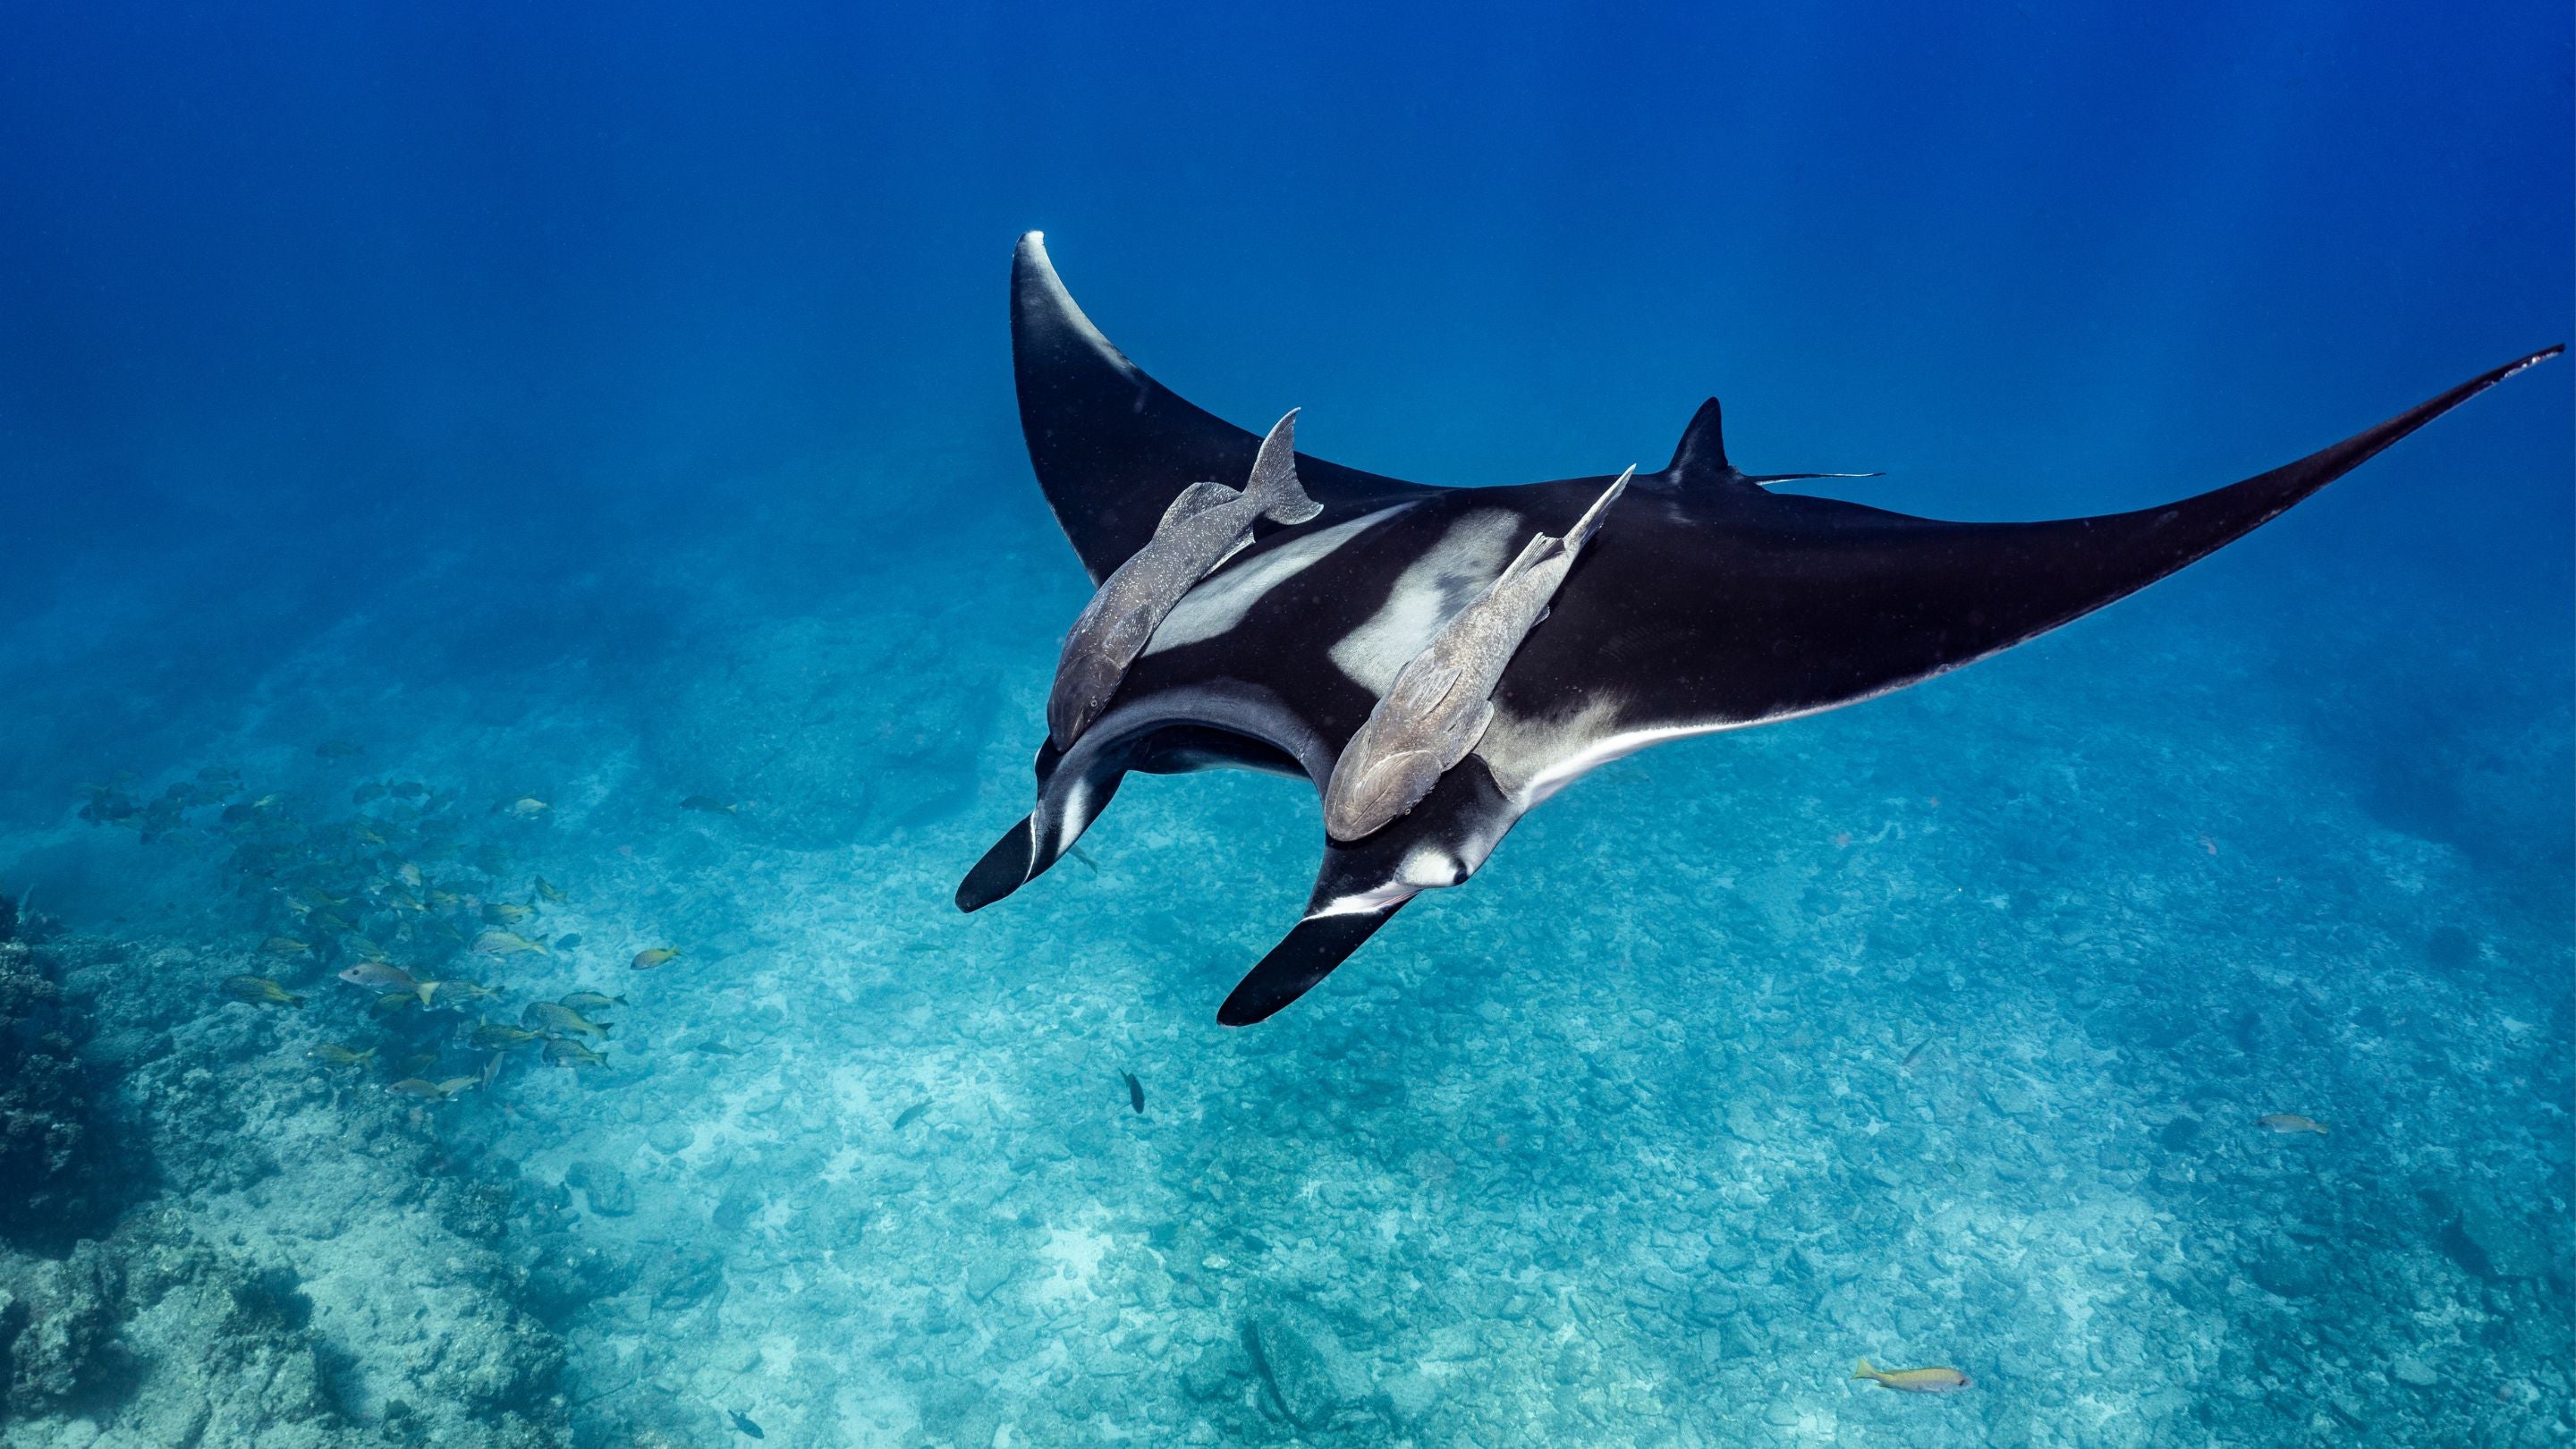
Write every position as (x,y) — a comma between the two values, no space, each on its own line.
(1933,1032)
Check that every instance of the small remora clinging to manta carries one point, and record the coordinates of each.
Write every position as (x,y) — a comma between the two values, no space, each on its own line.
(1440,661)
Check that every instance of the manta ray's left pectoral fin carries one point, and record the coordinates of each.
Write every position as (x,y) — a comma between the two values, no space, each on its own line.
(1302,958)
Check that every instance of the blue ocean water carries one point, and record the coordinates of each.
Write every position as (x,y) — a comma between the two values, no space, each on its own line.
(437,442)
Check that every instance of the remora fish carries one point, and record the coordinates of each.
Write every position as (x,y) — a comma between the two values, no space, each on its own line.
(1201,529)
(1442,699)
(1135,1093)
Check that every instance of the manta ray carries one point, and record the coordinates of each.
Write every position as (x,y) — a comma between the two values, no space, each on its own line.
(1261,609)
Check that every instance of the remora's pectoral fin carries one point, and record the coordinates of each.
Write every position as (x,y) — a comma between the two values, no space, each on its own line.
(1305,956)
(1004,869)
(1196,499)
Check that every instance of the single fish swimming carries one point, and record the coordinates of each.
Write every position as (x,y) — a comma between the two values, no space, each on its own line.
(259,990)
(381,977)
(562,1018)
(1709,602)
(497,942)
(563,1051)
(1915,1380)
(2286,1122)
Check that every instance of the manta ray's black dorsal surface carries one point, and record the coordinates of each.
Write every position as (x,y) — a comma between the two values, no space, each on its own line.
(1705,602)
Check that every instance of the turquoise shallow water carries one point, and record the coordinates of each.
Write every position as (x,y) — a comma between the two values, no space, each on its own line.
(559,419)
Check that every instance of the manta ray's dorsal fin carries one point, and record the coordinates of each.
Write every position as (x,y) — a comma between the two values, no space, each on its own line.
(1700,458)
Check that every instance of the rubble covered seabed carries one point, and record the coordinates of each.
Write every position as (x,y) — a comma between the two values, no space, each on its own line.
(1934,1031)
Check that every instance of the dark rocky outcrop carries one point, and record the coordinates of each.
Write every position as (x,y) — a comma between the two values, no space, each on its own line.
(54,1184)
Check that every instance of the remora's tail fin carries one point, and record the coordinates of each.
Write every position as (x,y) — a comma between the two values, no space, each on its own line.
(1700,457)
(1590,523)
(1274,482)
(1862,1370)
(1544,547)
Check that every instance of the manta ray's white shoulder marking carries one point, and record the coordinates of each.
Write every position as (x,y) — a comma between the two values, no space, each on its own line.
(1534,758)
(1224,597)
(1431,590)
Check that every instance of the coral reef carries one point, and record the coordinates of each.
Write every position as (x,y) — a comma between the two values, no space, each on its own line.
(1949,1055)
(54,1182)
(307,1267)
